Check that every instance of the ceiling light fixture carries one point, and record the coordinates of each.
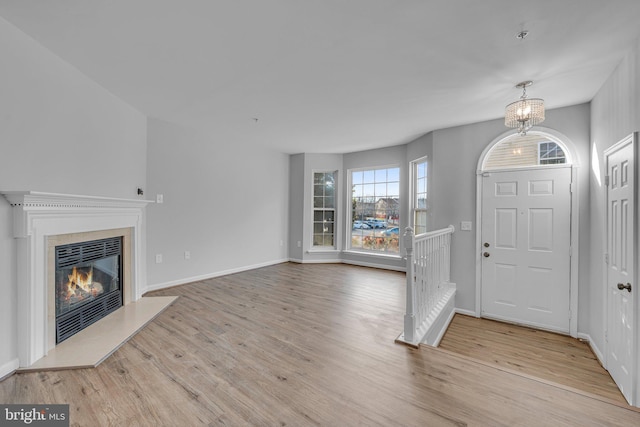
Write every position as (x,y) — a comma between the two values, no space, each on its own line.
(525,112)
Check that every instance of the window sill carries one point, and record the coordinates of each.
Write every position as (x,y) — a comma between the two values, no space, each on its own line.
(324,251)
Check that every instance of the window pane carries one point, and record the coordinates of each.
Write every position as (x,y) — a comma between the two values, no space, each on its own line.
(356,178)
(368,176)
(329,202)
(328,190)
(393,189)
(420,222)
(323,203)
(524,150)
(357,190)
(394,174)
(421,170)
(375,211)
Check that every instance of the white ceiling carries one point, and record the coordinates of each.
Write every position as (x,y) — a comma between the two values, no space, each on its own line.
(333,76)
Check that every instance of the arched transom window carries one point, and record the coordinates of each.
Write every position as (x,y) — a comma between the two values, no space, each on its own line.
(525,151)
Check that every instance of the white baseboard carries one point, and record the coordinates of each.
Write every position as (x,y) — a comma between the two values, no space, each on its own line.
(186,280)
(374,265)
(9,368)
(593,346)
(318,261)
(349,262)
(440,324)
(466,312)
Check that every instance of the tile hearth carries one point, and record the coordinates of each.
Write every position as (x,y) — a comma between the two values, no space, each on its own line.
(91,346)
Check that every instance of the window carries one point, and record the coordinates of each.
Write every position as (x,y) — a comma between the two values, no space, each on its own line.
(375,210)
(549,153)
(324,208)
(419,202)
(532,149)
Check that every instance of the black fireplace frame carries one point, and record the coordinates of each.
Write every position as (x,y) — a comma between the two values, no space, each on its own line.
(69,255)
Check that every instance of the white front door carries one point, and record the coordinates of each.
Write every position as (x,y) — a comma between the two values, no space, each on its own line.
(620,268)
(526,238)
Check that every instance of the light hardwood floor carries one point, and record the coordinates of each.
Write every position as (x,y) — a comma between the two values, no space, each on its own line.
(298,345)
(545,355)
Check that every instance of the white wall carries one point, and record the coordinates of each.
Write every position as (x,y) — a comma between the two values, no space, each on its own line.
(453,191)
(615,113)
(59,132)
(225,204)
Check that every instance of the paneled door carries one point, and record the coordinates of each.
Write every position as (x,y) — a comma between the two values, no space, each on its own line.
(620,264)
(526,239)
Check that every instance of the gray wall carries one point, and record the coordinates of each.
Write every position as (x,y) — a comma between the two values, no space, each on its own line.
(59,132)
(226,205)
(615,113)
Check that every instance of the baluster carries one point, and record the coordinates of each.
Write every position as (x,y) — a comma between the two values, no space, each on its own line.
(409,317)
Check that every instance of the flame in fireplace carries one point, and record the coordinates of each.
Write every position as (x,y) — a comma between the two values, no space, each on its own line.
(81,283)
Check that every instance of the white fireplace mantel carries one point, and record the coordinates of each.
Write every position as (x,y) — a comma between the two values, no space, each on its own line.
(38,215)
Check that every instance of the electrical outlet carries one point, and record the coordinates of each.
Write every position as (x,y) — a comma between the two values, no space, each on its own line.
(281,243)
(187,255)
(159,198)
(299,244)
(158,258)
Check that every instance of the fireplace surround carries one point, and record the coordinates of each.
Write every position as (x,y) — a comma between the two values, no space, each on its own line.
(42,221)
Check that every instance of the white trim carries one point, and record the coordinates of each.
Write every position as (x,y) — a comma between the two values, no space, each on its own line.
(565,143)
(373,254)
(594,347)
(336,209)
(36,216)
(631,139)
(374,265)
(440,326)
(348,226)
(573,161)
(184,281)
(328,250)
(466,312)
(9,368)
(320,261)
(412,181)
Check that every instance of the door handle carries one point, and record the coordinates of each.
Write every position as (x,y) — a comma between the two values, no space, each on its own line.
(627,286)
(486,255)
(486,244)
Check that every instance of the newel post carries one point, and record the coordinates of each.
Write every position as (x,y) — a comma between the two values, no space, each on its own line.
(409,317)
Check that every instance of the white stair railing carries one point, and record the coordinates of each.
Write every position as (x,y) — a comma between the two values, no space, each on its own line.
(430,293)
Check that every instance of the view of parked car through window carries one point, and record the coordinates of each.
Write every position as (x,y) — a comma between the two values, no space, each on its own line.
(375,210)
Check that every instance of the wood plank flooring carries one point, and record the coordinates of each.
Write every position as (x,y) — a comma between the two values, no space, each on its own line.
(551,357)
(298,345)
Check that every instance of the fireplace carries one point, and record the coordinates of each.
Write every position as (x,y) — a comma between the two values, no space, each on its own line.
(44,221)
(88,284)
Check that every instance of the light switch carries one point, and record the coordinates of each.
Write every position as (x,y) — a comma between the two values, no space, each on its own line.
(465,225)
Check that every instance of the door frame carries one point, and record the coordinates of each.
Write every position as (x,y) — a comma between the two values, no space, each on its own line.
(572,159)
(635,374)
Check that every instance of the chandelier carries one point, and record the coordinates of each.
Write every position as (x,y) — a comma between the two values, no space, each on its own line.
(525,112)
